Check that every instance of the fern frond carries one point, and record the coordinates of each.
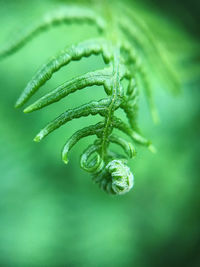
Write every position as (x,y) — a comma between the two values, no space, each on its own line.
(92,108)
(75,52)
(130,52)
(67,15)
(101,77)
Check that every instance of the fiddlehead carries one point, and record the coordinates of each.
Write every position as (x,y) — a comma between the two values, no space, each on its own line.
(129,52)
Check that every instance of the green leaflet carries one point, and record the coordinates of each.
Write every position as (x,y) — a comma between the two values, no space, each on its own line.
(135,136)
(140,79)
(70,14)
(87,131)
(94,166)
(127,147)
(130,105)
(75,52)
(131,54)
(92,108)
(101,77)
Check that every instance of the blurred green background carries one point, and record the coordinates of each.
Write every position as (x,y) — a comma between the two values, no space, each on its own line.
(52,214)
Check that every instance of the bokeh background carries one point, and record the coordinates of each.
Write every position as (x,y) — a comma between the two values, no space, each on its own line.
(52,214)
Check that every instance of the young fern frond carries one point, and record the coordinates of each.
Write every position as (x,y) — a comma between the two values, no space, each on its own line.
(129,51)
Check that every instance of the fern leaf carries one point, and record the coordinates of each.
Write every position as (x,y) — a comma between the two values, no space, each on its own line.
(101,77)
(95,165)
(87,131)
(75,52)
(127,146)
(130,105)
(130,53)
(67,15)
(135,136)
(92,108)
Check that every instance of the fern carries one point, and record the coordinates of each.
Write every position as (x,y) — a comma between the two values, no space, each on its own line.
(130,53)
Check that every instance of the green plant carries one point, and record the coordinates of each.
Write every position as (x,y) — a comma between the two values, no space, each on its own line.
(132,54)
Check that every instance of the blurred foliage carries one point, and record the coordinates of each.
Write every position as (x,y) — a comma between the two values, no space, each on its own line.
(51,214)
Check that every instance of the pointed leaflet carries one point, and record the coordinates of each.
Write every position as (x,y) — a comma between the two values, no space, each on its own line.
(92,108)
(135,136)
(99,77)
(75,52)
(68,14)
